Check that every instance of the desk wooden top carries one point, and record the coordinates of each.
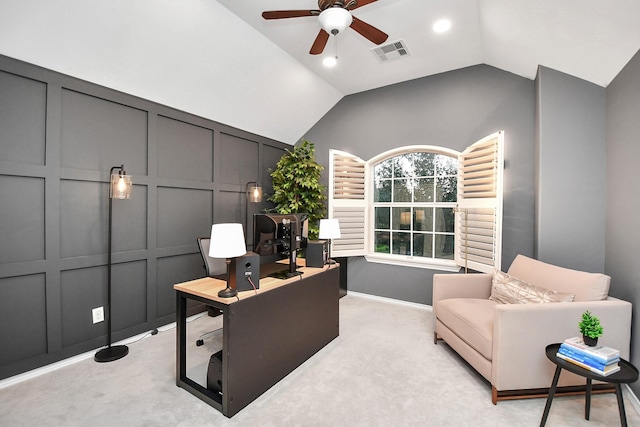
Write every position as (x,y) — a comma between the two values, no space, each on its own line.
(208,287)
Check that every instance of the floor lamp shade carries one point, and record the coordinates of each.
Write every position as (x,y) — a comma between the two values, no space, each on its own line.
(254,193)
(121,184)
(119,188)
(227,241)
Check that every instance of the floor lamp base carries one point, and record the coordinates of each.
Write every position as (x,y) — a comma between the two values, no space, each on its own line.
(109,354)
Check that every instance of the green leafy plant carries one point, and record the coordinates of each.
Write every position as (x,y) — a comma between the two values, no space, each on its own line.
(590,325)
(296,185)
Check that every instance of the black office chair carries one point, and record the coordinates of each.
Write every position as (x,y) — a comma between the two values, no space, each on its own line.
(216,268)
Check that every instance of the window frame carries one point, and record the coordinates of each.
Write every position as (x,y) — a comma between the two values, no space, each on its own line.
(396,259)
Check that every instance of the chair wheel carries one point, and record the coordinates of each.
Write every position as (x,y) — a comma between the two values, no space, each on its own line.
(199,343)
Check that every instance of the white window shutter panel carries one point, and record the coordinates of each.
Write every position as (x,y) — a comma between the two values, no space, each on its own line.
(348,203)
(478,240)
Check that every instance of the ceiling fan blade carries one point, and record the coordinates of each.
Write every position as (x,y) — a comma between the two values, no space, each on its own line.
(368,31)
(281,14)
(359,3)
(319,43)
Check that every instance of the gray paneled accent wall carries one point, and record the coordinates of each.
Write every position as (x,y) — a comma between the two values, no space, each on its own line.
(452,110)
(59,137)
(623,196)
(571,173)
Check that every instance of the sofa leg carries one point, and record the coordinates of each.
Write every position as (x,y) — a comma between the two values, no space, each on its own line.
(435,338)
(494,395)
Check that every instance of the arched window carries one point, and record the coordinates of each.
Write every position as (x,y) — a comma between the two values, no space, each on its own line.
(413,206)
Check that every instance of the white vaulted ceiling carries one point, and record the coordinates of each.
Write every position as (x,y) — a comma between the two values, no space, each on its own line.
(221,60)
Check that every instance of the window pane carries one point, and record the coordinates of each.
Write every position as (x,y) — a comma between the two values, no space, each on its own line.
(422,244)
(423,164)
(445,220)
(383,170)
(383,218)
(445,165)
(423,219)
(446,188)
(424,190)
(444,246)
(401,243)
(401,218)
(401,190)
(403,166)
(382,242)
(382,192)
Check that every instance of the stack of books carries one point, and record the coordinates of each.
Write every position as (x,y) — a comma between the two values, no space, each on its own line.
(599,359)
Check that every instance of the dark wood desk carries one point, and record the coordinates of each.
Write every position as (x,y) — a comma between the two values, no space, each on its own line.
(266,335)
(627,374)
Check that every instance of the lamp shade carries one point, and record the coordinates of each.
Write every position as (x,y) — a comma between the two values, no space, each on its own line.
(227,241)
(120,187)
(255,194)
(329,229)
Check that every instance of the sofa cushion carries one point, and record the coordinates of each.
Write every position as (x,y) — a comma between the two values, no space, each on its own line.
(471,319)
(506,289)
(585,286)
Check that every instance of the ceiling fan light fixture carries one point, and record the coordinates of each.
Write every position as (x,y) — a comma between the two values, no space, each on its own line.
(330,61)
(335,19)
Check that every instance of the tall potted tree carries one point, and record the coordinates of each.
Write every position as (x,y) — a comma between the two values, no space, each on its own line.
(296,185)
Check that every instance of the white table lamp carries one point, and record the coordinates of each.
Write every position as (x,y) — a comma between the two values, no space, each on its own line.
(329,229)
(227,241)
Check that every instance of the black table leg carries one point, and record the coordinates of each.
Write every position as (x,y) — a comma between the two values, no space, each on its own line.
(587,400)
(552,392)
(623,415)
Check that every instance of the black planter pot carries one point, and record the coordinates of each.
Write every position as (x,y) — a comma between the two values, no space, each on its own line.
(591,342)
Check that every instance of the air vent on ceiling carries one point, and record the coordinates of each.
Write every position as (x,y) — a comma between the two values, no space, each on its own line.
(391,51)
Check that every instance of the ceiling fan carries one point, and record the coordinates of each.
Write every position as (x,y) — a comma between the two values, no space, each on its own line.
(334,16)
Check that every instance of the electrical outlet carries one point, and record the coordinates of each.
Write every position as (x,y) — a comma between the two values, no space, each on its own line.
(98,314)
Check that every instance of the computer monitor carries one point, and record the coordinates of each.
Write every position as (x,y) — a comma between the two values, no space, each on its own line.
(280,236)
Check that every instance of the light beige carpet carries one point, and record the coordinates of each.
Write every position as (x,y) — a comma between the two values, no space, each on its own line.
(383,370)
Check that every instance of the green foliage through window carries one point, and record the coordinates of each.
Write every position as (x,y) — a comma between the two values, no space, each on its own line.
(414,199)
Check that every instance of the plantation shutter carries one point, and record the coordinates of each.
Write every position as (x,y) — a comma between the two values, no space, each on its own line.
(478,242)
(347,202)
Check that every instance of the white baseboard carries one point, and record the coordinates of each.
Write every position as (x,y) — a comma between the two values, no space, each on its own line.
(390,300)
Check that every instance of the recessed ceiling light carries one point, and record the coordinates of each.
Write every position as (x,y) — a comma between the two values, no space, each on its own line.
(442,26)
(330,61)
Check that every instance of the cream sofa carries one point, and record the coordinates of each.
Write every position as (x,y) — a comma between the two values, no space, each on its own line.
(505,342)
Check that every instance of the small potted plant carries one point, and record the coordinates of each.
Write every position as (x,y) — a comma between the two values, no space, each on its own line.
(590,328)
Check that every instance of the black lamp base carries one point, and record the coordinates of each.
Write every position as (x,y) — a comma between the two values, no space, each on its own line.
(109,354)
(227,293)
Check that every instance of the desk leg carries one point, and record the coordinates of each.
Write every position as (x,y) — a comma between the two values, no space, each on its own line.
(623,415)
(181,338)
(552,392)
(587,400)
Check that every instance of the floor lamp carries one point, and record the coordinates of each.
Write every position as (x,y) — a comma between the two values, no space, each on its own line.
(119,188)
(254,195)
(329,229)
(227,241)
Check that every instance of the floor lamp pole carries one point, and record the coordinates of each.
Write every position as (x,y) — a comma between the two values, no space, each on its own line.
(110,353)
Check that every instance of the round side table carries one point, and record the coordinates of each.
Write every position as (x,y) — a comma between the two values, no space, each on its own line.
(627,374)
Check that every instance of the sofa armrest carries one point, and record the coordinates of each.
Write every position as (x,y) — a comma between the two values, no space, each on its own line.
(522,331)
(457,285)
(474,285)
